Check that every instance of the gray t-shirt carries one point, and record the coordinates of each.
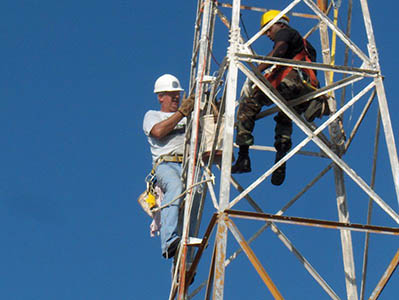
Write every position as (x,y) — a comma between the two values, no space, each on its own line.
(171,143)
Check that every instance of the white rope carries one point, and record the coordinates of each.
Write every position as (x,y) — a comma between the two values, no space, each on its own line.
(182,194)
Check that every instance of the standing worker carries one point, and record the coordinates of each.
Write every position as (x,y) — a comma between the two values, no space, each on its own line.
(290,83)
(165,130)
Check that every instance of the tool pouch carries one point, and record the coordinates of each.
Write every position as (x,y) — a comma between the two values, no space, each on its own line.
(208,126)
(147,199)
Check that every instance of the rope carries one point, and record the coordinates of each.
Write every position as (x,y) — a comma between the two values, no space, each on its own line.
(243,26)
(182,194)
(213,56)
(245,31)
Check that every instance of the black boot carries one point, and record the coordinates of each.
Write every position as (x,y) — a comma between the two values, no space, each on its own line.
(172,249)
(278,175)
(317,109)
(282,145)
(243,163)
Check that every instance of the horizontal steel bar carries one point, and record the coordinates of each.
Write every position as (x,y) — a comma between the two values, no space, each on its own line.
(312,222)
(261,9)
(308,65)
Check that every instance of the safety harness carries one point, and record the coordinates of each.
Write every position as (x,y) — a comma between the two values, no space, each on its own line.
(151,180)
(167,158)
(278,75)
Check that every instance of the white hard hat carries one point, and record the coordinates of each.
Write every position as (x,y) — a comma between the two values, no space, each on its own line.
(167,83)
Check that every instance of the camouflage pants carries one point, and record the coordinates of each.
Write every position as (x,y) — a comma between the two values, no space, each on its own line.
(291,87)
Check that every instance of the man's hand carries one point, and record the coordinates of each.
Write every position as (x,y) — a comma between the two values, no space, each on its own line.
(187,105)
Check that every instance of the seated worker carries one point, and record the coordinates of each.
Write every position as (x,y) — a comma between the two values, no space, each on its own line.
(288,43)
(165,130)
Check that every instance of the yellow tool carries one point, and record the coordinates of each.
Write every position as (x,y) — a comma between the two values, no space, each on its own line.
(150,198)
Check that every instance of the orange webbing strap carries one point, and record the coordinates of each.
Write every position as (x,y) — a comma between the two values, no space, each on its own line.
(277,76)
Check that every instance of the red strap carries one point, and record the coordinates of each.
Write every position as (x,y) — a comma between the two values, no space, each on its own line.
(277,76)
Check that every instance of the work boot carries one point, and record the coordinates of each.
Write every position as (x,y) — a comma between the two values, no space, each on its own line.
(317,109)
(242,165)
(188,267)
(283,145)
(172,249)
(278,175)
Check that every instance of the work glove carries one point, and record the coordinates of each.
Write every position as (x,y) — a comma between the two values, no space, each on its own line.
(187,105)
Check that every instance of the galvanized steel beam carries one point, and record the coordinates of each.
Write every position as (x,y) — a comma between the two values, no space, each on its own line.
(370,207)
(193,169)
(312,222)
(382,100)
(309,65)
(254,260)
(224,196)
(385,278)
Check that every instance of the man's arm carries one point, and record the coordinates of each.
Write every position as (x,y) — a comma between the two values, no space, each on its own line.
(279,50)
(164,127)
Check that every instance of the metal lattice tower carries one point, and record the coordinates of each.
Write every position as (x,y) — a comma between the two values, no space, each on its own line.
(217,91)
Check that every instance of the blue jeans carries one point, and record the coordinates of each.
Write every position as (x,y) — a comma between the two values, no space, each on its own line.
(168,178)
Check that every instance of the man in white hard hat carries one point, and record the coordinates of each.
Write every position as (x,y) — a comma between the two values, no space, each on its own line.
(165,130)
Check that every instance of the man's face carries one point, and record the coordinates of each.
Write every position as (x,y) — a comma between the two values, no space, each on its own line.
(271,32)
(169,101)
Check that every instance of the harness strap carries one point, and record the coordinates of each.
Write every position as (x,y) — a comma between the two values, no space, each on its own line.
(151,179)
(277,76)
(172,158)
(167,158)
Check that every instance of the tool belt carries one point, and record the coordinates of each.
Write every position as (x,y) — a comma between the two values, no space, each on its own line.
(170,158)
(167,158)
(147,199)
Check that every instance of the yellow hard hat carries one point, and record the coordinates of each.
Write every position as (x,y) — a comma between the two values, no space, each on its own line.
(270,15)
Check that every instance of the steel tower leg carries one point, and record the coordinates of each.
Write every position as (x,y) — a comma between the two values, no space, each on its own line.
(202,68)
(224,196)
(382,100)
(338,141)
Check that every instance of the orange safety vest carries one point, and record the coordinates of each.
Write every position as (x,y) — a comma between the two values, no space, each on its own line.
(278,75)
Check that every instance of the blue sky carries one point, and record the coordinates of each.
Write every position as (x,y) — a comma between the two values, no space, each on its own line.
(76,80)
